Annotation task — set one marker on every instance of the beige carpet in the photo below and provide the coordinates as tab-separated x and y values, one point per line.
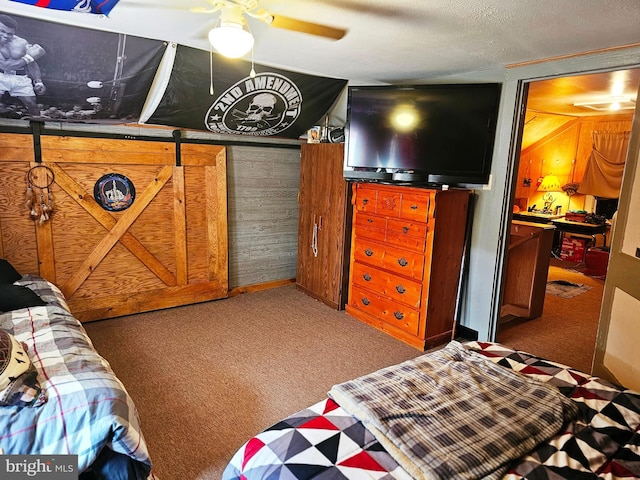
207	377
566	331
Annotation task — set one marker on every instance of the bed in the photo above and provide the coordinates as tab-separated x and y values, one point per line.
68	401
592	433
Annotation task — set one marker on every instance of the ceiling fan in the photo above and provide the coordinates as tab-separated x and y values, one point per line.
231	36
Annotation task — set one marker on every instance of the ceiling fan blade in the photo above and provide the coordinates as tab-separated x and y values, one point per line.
288	23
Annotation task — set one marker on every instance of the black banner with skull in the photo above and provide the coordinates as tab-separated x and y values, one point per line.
272	103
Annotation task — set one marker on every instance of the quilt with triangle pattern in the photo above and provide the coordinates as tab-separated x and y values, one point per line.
323	442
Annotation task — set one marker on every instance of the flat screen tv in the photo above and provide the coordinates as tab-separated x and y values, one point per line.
440	134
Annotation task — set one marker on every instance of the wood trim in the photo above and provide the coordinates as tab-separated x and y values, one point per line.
88	309
261	286
572	55
180	225
217	224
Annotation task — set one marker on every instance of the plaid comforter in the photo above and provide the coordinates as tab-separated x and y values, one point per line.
325	442
454	414
87	407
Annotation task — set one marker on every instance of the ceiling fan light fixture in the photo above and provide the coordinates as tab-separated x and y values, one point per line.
231	39
612	102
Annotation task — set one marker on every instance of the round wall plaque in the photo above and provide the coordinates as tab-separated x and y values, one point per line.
114	192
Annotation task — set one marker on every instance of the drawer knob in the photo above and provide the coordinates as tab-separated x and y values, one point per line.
367	277
398	315
365	201
370	220
368	252
405	229
403	262
400	289
414	207
365	301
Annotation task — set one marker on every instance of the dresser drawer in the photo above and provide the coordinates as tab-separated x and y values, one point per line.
388	203
371	221
405	233
392	312
396	260
366	199
415	207
364	231
393	286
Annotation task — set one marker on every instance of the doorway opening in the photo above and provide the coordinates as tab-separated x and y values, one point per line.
560	231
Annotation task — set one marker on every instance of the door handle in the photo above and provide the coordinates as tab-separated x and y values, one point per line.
314	238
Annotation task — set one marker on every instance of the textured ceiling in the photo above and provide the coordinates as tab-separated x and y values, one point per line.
404	41
388	40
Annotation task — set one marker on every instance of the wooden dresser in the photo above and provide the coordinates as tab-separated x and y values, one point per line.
406	256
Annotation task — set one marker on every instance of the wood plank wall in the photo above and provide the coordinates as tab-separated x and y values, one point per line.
263	185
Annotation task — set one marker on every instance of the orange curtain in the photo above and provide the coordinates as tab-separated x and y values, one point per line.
603	175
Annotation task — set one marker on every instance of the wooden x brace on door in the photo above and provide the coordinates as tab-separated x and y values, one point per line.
117	231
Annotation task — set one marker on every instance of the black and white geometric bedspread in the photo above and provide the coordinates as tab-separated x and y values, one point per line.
88	409
324	442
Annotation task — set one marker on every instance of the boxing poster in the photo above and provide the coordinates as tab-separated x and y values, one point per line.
209	92
55	72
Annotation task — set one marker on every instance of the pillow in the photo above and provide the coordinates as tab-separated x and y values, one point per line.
19	386
8	274
13	297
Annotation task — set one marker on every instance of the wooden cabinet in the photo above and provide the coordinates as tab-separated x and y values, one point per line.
407	247
324	226
527	269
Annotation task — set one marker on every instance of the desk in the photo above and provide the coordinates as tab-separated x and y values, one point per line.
525	278
536	217
580	228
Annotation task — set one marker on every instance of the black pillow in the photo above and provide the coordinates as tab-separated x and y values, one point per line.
13	297
8	274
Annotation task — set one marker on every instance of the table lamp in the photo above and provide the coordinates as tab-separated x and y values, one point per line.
549	184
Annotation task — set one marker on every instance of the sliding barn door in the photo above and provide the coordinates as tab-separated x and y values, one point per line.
164	244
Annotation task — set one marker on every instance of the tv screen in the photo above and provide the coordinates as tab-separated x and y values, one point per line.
421	133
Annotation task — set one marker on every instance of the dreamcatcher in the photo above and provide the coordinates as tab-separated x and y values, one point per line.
39	198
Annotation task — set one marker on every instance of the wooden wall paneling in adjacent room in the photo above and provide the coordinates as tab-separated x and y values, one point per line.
168	248
556	152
